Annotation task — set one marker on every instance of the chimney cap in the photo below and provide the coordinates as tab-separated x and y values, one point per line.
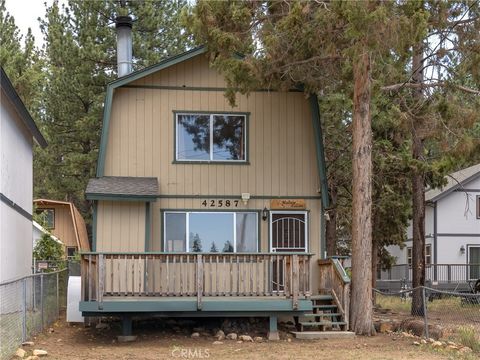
121	21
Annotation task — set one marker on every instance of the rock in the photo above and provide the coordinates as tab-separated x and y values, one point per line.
239	342
220	335
20	353
430	340
258	339
217	343
33	357
195	335
423	341
289	340
28	343
437	344
232	336
465	350
38	352
451	343
452	347
51	330
102	326
406	334
246	338
416	343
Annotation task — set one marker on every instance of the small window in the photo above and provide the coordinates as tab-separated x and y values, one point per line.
71	251
47	217
428	255
211	232
211	137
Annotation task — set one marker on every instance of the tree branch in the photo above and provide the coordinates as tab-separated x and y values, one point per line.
429	85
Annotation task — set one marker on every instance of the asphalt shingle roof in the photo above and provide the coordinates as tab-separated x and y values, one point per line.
455	181
123	185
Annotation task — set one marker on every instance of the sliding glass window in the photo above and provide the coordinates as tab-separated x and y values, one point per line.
210	137
211	232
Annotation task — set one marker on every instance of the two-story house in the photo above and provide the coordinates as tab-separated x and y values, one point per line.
206	209
452	232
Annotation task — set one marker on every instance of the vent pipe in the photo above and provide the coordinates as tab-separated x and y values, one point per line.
123	25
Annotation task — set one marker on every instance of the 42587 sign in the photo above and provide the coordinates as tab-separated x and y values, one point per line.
220	203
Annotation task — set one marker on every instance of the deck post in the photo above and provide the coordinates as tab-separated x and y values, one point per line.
199	281
273	330
126	329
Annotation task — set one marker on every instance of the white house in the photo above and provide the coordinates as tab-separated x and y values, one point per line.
17	133
452	231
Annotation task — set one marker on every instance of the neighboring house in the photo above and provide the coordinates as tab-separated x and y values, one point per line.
39	231
17	134
63	220
452	231
204	209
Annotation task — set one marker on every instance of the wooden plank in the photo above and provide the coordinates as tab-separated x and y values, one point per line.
90	276
101	278
295	281
199	281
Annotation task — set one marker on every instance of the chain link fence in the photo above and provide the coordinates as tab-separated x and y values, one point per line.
29	305
433	313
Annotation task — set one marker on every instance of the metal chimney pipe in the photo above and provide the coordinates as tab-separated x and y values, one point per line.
123	24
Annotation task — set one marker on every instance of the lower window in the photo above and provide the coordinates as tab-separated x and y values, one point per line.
210	232
71	251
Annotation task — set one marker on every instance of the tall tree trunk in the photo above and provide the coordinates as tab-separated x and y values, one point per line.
361	304
374	265
331	223
418	191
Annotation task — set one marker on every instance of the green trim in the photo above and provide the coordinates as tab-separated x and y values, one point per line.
121	197
226	196
212	162
147	225
159	66
195	88
107	110
323	239
225	210
340	270
317	128
189	304
94	226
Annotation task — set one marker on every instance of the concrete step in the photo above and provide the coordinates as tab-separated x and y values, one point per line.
313	335
322	323
322	314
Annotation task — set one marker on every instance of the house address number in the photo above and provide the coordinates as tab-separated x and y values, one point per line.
220	203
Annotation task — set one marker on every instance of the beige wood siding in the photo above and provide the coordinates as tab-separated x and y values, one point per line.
120	226
64	229
280	146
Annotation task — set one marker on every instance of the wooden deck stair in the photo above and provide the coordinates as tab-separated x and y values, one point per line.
325	315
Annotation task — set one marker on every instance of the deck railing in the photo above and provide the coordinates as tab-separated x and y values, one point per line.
439	273
195	275
335	281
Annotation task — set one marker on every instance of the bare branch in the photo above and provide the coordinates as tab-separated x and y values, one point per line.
429	85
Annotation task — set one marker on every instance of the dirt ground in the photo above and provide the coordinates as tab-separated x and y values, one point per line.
78	342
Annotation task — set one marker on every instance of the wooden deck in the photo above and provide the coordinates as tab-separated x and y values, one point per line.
195	282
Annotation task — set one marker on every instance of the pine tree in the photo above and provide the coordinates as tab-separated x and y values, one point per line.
80	54
197	243
228	247
213	248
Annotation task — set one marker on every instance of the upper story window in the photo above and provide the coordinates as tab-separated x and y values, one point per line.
48	217
211	137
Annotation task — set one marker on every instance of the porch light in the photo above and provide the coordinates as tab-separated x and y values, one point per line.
245	198
462	250
264	214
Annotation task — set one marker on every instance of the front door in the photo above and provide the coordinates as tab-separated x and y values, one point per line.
288	233
474	262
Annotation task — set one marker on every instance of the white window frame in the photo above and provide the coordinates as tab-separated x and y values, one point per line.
411	257
211	160
270	240
187	228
